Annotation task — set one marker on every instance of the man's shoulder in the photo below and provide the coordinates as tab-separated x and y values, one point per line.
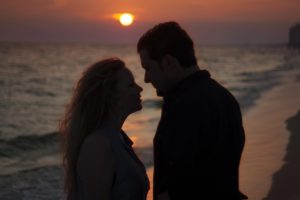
204	88
213	88
208	92
203	93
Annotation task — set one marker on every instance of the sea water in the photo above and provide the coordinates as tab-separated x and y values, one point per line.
36	82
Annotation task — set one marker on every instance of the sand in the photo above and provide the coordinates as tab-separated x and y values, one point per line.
267	141
286	181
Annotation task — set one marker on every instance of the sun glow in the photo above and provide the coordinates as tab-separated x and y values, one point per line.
126	19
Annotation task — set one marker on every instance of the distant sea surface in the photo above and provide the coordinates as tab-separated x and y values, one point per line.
36	82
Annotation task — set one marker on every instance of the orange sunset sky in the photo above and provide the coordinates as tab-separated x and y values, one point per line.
208	21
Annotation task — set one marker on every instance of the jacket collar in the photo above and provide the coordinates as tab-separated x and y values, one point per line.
186	84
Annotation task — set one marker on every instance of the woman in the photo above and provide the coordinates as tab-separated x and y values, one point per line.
98	159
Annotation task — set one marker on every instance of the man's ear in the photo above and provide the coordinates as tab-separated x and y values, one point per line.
169	62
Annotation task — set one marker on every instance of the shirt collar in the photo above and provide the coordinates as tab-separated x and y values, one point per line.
185	84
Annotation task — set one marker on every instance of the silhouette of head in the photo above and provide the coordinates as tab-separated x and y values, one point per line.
104	86
167	53
168	39
105	89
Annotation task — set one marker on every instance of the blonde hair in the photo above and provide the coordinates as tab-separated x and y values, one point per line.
91	101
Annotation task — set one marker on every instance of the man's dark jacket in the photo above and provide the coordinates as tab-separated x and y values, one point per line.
199	142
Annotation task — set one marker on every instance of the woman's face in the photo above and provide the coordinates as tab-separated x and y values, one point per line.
129	93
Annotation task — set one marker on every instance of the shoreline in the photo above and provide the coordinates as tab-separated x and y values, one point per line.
267	136
286	181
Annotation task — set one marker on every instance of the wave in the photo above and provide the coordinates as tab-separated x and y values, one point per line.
49	143
23	144
153	103
39	92
256	83
37	183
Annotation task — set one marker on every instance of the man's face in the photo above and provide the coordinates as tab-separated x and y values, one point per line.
153	72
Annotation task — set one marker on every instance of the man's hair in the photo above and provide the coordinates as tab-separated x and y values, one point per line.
168	38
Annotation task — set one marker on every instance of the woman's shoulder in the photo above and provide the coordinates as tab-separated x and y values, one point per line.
96	140
95	150
95	160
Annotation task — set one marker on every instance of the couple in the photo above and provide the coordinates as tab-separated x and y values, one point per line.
198	142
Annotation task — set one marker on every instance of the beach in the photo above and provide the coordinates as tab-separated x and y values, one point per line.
266	159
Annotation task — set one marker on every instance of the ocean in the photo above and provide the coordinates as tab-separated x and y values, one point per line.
36	82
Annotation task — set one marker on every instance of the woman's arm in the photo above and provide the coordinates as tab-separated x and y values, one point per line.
95	166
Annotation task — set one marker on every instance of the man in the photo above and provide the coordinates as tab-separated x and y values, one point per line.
200	136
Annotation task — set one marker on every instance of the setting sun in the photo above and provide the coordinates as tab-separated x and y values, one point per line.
126	19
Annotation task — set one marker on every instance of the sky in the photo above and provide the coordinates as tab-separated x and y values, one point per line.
207	21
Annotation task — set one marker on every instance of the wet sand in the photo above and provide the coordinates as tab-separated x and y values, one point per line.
267	167
286	181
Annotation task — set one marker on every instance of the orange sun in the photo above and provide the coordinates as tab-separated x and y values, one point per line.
126	19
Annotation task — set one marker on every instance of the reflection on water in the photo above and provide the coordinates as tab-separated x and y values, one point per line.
150	176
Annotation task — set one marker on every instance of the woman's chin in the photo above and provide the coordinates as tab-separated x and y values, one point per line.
139	107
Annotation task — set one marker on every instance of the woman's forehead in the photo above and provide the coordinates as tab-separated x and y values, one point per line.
125	75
